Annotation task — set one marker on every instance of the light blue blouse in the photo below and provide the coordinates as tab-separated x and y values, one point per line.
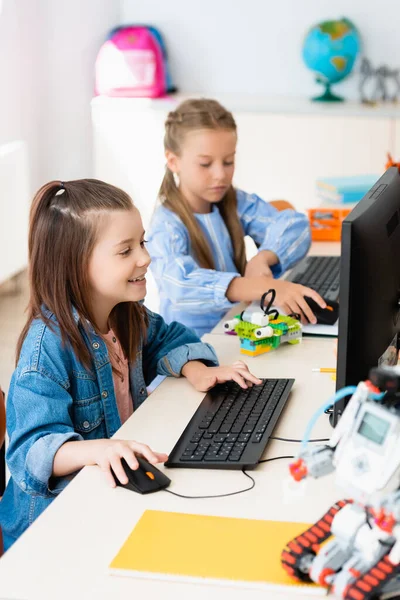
196	296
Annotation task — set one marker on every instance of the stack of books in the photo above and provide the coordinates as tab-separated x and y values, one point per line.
343	190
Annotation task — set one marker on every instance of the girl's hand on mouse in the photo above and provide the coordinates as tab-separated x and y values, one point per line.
204	378
112	451
290	297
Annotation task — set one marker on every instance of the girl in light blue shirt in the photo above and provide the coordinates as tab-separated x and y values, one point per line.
196	237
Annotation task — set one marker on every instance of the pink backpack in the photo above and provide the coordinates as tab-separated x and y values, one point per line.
131	64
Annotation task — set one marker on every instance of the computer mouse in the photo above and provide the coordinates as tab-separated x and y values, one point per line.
144	480
325	316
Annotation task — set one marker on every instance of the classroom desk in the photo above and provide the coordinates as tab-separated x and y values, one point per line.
67	550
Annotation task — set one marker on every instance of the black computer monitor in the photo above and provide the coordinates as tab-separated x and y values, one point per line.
369	319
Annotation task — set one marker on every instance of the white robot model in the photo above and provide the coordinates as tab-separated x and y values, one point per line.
363	554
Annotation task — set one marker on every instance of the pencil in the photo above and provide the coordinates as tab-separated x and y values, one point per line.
323	370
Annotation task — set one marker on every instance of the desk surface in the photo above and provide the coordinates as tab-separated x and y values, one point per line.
66	552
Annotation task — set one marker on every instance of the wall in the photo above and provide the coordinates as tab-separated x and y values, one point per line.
75	30
21	75
231	46
47	54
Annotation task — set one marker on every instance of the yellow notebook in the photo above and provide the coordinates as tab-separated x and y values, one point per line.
206	549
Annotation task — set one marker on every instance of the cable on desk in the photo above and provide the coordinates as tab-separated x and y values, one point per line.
281	439
274	458
219	495
253	483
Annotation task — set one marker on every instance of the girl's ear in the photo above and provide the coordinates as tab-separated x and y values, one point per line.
172	161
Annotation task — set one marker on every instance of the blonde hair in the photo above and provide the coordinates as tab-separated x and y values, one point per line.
191	115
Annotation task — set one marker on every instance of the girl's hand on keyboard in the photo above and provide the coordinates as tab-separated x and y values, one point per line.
204	378
290	298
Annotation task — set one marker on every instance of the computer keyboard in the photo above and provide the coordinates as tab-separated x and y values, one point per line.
321	273
232	426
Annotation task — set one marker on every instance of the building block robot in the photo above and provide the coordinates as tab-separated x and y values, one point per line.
264	329
361	557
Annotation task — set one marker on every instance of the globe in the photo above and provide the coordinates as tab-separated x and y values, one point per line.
330	49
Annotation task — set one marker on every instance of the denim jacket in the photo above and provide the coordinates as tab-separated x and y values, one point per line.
197	296
53	399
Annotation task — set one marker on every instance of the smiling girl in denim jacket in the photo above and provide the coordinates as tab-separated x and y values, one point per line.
89	348
196	238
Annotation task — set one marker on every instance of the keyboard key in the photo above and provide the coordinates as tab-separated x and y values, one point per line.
237	428
225	428
190	448
234	458
216	458
214	428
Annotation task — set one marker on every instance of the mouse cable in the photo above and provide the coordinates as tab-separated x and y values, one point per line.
274	458
253	483
281	439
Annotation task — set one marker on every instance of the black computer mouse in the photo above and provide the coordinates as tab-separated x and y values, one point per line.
144	480
325	316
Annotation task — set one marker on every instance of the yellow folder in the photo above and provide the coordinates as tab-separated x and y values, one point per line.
209	549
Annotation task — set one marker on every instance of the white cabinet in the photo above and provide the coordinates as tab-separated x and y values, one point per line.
282	156
285	144
128	149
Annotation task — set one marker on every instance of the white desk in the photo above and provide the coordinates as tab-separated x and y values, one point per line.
66	552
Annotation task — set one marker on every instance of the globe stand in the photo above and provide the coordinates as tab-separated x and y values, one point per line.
327	96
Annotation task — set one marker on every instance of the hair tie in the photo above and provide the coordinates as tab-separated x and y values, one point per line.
61	189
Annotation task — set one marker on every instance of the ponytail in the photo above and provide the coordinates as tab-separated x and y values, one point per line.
177	203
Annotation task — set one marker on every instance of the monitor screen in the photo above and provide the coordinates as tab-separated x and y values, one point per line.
369	297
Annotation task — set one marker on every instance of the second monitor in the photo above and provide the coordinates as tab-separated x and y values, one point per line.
369	284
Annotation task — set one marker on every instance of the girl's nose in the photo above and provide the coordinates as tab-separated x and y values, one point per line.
144	258
219	172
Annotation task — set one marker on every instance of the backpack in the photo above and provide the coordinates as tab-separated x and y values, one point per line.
170	87
132	63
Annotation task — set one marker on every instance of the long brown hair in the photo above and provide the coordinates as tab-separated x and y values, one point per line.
64	223
190	115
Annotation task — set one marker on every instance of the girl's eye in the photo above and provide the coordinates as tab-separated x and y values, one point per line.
205	166
143	242
228	164
126	252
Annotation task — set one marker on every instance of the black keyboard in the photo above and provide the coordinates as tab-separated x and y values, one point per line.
321	273
232	426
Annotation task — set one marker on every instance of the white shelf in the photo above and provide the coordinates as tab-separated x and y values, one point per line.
246	103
